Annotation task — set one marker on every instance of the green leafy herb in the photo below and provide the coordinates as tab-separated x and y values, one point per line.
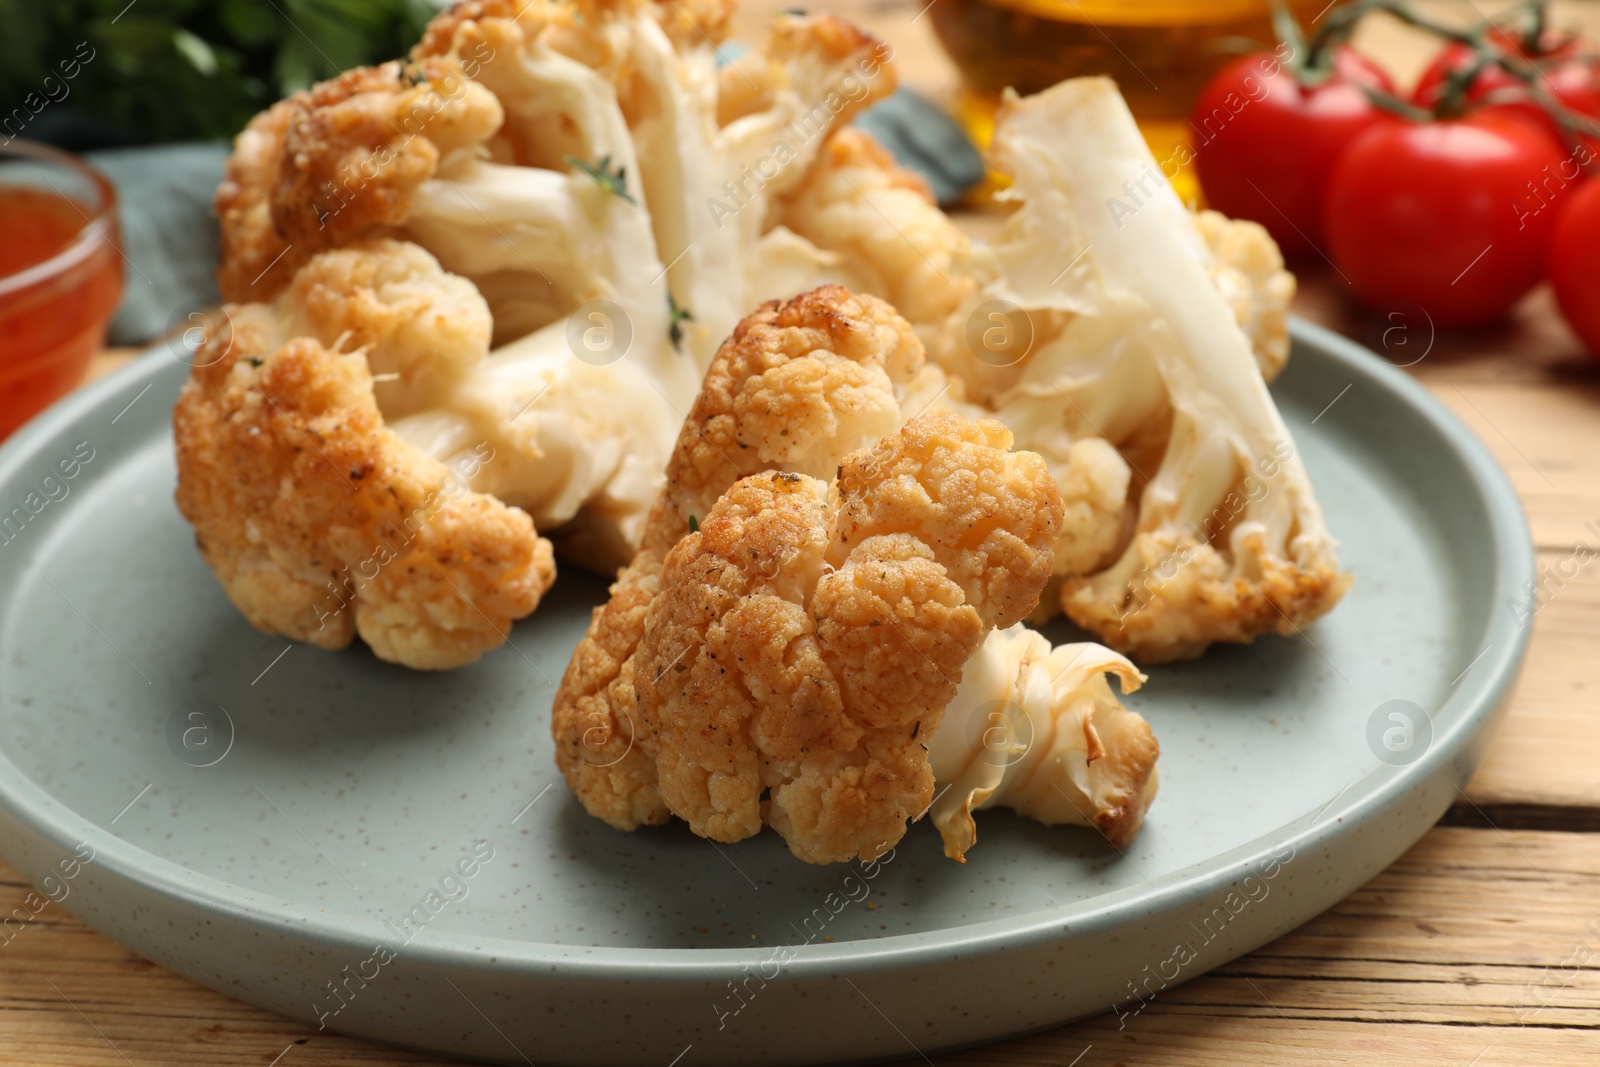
86	72
614	182
677	316
694	524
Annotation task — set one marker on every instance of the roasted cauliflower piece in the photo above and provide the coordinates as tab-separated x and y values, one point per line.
566	160
797	388
883	223
1038	730
337	162
1139	344
320	522
806	634
1247	268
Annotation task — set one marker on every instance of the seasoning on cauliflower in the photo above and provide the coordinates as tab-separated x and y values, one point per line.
1045	736
806	634
1220	537
321	523
796	388
336	162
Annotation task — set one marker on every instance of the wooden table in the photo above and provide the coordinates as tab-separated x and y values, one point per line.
1481	946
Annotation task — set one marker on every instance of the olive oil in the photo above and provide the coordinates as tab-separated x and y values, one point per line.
1160	52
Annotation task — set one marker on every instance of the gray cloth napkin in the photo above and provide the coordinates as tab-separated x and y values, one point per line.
169	236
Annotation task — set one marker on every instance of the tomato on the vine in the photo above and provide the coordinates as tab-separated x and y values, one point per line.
1575	264
1456	57
1265	143
1568	68
1445	214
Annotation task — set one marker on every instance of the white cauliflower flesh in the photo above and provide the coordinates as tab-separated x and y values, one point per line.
610	195
584	170
1038	730
1220	537
774	634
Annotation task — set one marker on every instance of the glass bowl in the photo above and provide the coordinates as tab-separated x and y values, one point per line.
60	275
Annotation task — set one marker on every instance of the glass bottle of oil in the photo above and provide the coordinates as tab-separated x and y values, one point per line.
1161	52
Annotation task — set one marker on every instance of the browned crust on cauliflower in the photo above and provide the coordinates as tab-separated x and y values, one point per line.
340	160
320	523
688	22
881	217
1187	596
804	637
797	385
809	49
1131	764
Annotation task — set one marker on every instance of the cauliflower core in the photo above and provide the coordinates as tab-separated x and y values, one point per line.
776	639
321	523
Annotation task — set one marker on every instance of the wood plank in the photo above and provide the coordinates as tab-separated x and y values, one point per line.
1474	940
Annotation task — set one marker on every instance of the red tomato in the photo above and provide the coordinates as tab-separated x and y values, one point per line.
1575	264
1447	215
1571	74
1264	144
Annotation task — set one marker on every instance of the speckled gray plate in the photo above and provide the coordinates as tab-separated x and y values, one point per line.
315	867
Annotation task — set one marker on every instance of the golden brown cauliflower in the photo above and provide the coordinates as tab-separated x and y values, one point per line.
570	27
801	54
1131	341
882	221
338	161
806	634
319	522
796	387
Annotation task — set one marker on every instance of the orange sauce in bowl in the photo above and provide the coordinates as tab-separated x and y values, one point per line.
60	280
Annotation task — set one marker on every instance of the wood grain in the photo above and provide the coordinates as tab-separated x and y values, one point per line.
1479	948
1475	939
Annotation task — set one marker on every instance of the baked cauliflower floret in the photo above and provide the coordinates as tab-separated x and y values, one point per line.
338	161
883	223
689	23
798	386
1247	269
806	634
320	522
1038	730
1220	536
422	330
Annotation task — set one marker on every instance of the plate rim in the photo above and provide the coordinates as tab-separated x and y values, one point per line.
1363	800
